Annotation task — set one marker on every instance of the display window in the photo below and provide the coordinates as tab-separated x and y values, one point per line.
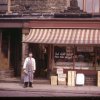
97	50
84	57
77	57
63	56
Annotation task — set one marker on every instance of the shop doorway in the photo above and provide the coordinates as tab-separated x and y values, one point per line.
11	50
40	53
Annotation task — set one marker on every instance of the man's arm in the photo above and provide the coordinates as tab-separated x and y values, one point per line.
24	65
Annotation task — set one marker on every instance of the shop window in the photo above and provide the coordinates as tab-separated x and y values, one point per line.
63	56
84	58
97	50
77	57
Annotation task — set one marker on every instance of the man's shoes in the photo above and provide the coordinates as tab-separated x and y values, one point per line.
25	84
30	84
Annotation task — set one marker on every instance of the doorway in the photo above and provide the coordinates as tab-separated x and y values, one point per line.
40	53
11	50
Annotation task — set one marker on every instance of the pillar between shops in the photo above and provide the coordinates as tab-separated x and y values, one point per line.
25	46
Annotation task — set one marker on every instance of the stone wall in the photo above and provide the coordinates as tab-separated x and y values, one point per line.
39	5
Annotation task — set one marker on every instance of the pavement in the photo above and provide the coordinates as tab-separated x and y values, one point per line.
45	86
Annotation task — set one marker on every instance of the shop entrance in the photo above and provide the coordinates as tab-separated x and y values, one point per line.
40	53
11	51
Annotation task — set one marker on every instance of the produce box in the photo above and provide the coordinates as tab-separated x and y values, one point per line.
98	79
61	79
71	78
53	80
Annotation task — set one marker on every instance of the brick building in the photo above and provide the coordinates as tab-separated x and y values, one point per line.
59	33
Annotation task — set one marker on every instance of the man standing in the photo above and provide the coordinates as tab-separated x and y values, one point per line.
29	68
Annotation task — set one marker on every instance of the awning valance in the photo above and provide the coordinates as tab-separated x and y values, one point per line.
63	36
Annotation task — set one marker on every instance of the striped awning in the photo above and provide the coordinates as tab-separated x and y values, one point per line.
63	36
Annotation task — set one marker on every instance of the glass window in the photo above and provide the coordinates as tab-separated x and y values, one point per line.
97	50
78	57
84	57
63	56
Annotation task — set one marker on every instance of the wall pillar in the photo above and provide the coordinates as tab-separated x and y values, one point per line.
25	46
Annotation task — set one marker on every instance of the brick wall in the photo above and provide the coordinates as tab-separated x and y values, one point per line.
91	80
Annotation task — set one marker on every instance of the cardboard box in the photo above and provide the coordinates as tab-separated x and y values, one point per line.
71	78
53	80
61	81
98	79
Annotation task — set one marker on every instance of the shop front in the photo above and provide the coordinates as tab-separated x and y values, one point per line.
72	49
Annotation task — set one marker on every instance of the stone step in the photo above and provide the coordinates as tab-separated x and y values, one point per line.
18	80
6	73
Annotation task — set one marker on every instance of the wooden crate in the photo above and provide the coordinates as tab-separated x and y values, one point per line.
53	80
71	78
61	79
98	79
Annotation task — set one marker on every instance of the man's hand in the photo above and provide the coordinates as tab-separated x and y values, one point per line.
25	71
33	71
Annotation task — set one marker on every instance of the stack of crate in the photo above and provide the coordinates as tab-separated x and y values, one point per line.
71	78
61	77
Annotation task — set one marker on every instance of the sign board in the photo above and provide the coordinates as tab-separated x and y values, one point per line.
60	71
80	79
85	49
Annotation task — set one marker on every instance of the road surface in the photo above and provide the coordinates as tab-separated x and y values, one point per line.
16	93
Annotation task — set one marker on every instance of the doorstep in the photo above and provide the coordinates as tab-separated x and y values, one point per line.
18	80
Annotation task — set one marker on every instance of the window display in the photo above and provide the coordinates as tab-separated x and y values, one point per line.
63	56
77	57
97	50
84	57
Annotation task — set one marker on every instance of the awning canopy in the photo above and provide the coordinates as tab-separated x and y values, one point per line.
63	36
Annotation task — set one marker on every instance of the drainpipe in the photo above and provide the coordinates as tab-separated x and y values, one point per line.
0	43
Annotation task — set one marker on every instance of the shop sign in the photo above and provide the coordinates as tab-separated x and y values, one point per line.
60	71
85	49
80	78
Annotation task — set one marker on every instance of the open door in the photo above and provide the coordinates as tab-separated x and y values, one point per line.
40	53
